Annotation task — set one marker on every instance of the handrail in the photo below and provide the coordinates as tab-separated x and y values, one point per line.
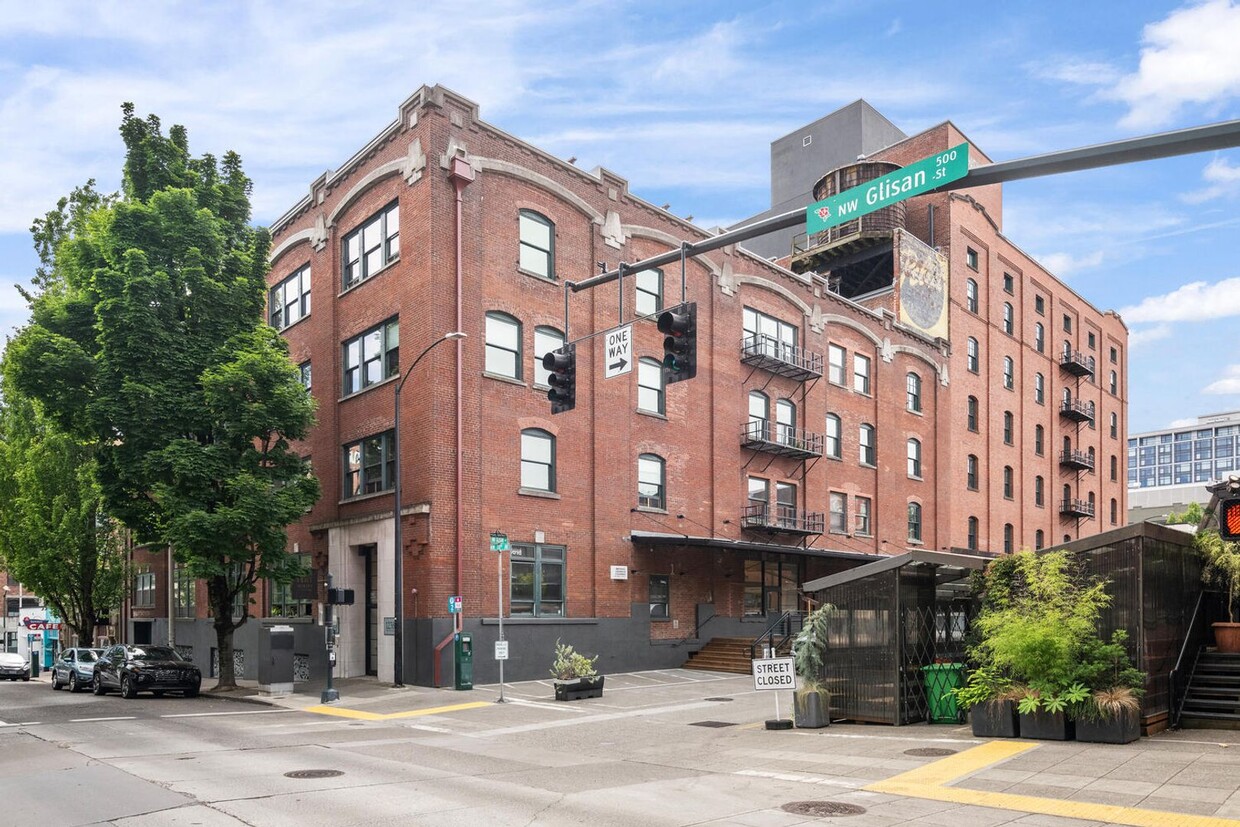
784	624
1176	684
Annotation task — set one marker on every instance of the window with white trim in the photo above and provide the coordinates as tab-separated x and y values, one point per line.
864	510
650	385
289	300
546	339
371	247
651	481
503	345
537	244
536	575
649	287
537	460
370	465
371	357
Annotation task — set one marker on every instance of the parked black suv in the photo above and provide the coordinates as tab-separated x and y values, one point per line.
133	669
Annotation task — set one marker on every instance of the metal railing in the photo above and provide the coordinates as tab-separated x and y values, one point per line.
1076	459
780	358
1178	678
782	630
1076	363
777	438
1076	508
1076	409
783	518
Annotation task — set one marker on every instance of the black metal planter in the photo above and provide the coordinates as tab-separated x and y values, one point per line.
811	710
1047	726
994	719
1122	729
579	689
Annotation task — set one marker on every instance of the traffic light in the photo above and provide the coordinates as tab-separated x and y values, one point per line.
563	379
680	347
1229	519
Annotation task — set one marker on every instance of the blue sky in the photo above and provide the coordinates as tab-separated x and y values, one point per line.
683	100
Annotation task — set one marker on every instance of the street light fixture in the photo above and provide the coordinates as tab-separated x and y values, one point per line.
398	655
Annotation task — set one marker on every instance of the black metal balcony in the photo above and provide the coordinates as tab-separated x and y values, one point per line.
781	440
782	519
1076	508
1076	459
1077	363
781	359
1077	410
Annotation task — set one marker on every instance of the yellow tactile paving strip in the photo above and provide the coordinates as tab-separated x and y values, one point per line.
360	715
931	782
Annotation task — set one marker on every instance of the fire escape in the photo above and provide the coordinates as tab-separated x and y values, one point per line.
1072	409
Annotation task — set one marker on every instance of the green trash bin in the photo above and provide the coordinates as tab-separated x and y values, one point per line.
941	679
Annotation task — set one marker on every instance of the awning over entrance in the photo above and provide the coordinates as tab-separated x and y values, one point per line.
656	538
937	558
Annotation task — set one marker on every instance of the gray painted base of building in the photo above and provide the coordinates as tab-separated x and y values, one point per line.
196	639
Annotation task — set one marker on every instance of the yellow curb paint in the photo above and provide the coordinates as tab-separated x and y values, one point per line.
930	782
361	715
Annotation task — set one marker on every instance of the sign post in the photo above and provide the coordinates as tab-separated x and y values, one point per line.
499	544
914	179
774	674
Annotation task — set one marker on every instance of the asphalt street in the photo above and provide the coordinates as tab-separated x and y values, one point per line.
659	748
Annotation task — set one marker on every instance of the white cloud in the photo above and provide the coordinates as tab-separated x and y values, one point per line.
1182	423
1222	179
1194	301
1076	70
1065	264
1228	384
1142	337
1190	57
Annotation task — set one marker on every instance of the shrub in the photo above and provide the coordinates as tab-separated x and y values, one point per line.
570	665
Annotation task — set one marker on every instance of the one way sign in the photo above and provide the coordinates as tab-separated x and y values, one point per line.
618	355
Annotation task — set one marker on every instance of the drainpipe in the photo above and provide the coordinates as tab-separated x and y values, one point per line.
462	175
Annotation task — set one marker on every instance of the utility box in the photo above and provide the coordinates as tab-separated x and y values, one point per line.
464	657
34	664
275	672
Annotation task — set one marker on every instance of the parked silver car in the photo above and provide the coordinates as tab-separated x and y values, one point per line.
14	667
75	668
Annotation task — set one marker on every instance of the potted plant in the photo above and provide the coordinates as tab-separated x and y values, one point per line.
811	702
575	675
1036	624
1222	570
1112	712
990	697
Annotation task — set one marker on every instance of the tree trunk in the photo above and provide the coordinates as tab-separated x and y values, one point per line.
221	609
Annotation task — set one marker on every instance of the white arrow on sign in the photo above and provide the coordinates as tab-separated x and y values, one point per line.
618	354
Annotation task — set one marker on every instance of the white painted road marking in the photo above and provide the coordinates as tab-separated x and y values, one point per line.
220	714
93	720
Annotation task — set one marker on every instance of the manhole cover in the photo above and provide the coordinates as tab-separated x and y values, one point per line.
820	809
718	700
713	724
930	752
313	774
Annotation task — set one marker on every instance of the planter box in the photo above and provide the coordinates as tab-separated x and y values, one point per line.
1123	729
578	689
811	710
994	719
1047	726
1227	637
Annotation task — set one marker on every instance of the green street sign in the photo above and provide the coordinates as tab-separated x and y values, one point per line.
914	179
499	542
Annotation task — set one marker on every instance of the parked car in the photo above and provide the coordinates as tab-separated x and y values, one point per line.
75	668
132	669
14	666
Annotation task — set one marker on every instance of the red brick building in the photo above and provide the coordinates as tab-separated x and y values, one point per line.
901	383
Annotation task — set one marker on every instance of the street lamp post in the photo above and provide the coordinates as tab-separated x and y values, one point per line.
398	655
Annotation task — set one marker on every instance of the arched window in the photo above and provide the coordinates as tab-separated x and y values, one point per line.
1114	468
971	472
1114	383
972	357
1007	481
1039	540
1008	322
1008	538
1039	388
833	440
914	458
1067	495
1009	428
1114	511
546	339
971	414
785	422
1039	493
1039	437
972	537
1039	337
503	351
537	460
1114	425
651	481
970	295
914	522
1009	373
913	392
759	416
867	444
537	244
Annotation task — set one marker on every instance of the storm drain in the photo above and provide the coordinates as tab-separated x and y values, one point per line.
821	809
712	724
718	700
929	752
313	774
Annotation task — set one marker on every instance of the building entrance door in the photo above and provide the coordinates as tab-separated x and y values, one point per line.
372	611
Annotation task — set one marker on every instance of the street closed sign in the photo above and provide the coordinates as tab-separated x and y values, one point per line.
774	673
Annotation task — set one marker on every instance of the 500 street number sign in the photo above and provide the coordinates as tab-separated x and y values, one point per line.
914	179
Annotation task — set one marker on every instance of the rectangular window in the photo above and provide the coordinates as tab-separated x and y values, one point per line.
1091	340
863	507
369	465
649	291
372	357
839	512
1039	305
970	258
1067	323
144	590
835	364
183	588
861	374
303	373
767	335
537	460
649	386
546	339
1009	284
660	592
289	300
292	599
371	247
536	577
537	244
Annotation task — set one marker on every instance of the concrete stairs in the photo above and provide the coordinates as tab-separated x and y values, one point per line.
1212	699
724	654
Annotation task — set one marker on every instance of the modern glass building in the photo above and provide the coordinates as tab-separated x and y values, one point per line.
1169	468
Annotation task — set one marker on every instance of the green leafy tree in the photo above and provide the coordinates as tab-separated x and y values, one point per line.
153	343
54	535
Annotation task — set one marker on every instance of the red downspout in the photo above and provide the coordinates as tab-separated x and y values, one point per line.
462	175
